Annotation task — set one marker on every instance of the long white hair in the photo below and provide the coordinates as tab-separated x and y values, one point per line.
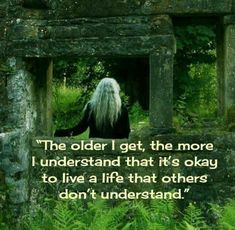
106	103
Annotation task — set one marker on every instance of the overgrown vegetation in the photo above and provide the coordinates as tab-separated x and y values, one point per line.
195	82
127	215
195	89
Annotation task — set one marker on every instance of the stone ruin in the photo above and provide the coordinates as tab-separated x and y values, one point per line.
33	32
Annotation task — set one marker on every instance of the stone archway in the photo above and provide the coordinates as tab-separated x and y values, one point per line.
34	34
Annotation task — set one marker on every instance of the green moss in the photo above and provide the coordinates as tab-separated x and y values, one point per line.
230	115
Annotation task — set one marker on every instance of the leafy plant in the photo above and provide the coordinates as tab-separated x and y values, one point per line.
67	111
195	73
69	215
138	117
194	219
65	219
227	220
126	215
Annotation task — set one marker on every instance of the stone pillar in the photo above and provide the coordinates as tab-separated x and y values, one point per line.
19	124
161	89
43	71
3	94
27	109
229	68
220	66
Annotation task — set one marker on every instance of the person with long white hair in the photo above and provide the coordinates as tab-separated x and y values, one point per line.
104	114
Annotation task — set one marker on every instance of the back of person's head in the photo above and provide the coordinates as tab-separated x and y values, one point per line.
106	103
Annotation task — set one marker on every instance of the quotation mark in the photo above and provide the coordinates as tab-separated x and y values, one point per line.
186	189
39	141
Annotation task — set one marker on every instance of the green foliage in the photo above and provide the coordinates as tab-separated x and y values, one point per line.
126	215
227	220
66	109
203	94
195	82
68	106
199	102
80	71
193	218
194	44
75	81
71	215
5	70
83	74
6	215
164	212
138	117
65	219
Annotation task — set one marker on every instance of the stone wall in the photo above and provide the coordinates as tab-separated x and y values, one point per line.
32	31
19	123
23	113
105	8
3	96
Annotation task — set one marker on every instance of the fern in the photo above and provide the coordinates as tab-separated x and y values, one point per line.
158	215
157	226
94	213
163	213
105	217
117	215
65	219
38	218
140	215
193	218
188	226
127	226
128	215
227	221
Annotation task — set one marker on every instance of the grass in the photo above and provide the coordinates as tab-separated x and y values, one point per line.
66	109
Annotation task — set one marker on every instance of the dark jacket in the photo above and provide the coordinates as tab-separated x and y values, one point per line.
119	130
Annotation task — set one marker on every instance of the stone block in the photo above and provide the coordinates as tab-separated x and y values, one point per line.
3	9
18	190
108	46
89	8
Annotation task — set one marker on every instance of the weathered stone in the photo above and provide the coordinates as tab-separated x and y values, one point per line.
229	69
107	46
19	88
43	93
87	27
35	4
3	102
89	37
89	8
161	89
233	6
19	190
26	104
15	164
220	67
229	19
42	29
106	8
3	9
